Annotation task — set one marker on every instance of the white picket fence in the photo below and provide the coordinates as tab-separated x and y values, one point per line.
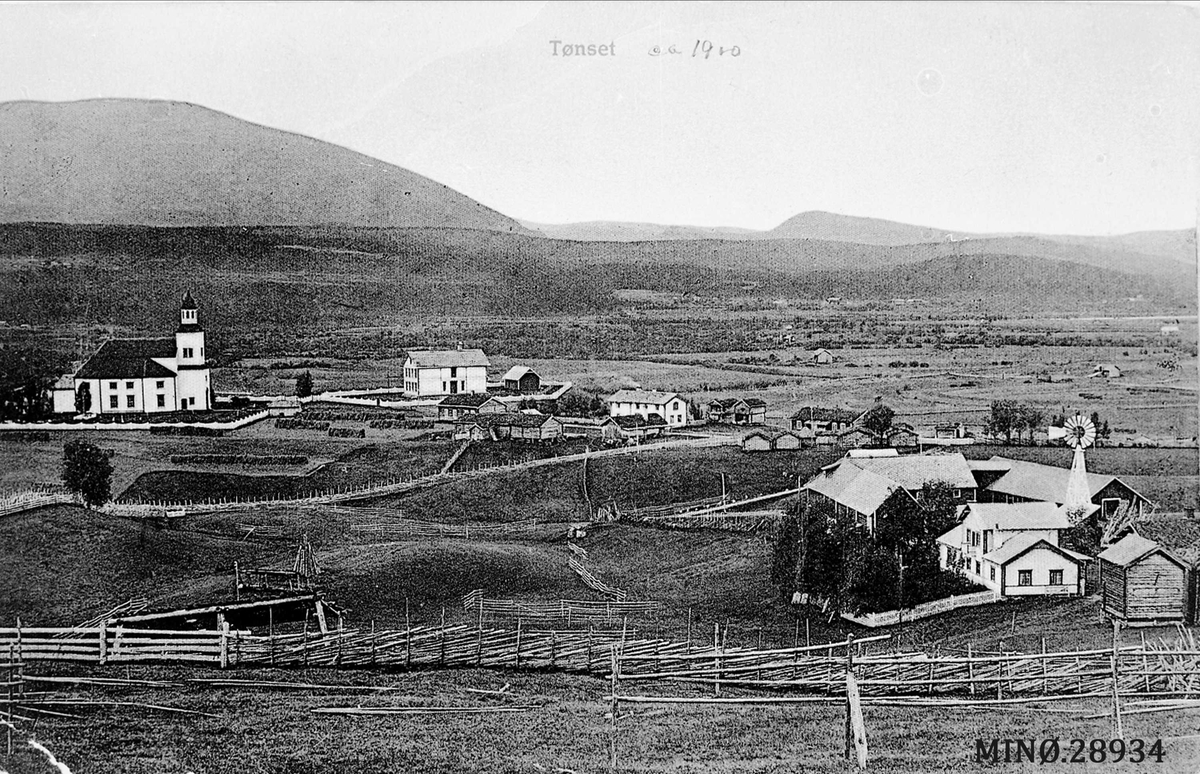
132	426
893	617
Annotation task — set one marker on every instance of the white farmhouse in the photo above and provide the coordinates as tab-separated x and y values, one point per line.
136	376
432	372
1013	548
668	405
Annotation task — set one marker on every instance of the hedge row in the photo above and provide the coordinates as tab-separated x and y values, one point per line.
210	432
300	424
26	437
347	432
239	459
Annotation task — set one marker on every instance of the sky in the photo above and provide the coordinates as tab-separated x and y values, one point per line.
990	117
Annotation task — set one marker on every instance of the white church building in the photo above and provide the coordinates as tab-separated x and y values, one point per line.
136	376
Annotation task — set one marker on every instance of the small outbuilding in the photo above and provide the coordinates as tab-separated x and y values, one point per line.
1141	581
786	441
822	357
522	379
757	441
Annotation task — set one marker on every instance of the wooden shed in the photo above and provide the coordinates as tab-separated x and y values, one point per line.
757	441
1141	581
787	440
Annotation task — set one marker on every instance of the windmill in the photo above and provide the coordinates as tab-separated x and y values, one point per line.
1079	433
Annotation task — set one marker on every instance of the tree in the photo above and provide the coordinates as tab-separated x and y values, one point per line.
83	399
1002	419
1033	418
87	472
878	421
304	385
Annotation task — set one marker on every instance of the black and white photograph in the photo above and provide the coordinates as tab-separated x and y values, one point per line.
595	387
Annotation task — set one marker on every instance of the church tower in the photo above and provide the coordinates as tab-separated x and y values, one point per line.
193	381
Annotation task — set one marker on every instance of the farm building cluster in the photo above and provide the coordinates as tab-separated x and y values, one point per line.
1010	519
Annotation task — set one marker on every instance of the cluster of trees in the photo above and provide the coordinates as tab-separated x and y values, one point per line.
25	382
830	556
1009	417
577	403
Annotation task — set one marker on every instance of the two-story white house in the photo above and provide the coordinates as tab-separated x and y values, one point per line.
144	376
1013	548
668	405
432	372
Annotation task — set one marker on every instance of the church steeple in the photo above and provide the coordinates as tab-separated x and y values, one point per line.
188	316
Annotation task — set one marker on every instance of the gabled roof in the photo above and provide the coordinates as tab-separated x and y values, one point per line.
1134	547
1014	516
1018	545
130	359
1035	481
653	397
818	414
516	372
466	400
758	434
912	471
954	536
636	421
859	490
728	403
447	358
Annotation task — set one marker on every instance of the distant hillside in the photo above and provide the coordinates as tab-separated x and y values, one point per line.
176	164
831	227
610	231
817	240
281	281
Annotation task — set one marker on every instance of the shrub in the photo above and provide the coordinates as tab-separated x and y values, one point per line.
347	432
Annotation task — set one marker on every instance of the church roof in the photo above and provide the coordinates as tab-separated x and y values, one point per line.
130	359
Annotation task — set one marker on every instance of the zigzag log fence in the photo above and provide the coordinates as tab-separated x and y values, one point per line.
1163	669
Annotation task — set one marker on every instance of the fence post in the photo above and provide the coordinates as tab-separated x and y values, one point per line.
615	656
224	645
717	659
970	669
856	732
1116	692
104	642
518	642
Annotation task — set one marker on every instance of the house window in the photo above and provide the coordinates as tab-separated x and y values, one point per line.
1056	577
453	373
993	572
1024	577
976	566
1109	506
129	401
129	385
191	401
162	401
187	352
159	384
112	385
112	401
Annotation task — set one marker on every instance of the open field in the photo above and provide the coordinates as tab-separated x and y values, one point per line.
273	732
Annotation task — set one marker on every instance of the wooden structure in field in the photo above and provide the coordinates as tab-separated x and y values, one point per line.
1142	582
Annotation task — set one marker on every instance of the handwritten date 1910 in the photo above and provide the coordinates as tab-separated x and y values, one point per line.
702	49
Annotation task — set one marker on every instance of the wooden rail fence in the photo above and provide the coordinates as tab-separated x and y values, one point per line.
1163	668
477	606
